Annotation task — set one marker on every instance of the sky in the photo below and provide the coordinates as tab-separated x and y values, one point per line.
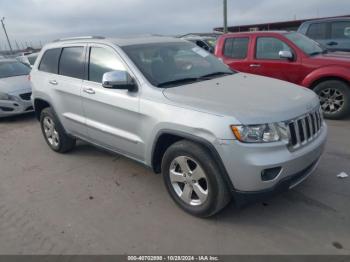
35	21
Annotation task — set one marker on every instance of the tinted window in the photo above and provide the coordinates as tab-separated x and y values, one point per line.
317	31
102	61
9	69
269	48
341	30
49	62
236	47
72	62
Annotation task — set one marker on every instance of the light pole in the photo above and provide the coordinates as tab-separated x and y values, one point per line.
225	17
8	40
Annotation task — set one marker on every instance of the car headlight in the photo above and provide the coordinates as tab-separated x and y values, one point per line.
4	96
265	133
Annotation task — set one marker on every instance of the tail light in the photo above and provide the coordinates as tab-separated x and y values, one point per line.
29	78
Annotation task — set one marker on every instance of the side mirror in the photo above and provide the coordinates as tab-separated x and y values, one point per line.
118	80
286	55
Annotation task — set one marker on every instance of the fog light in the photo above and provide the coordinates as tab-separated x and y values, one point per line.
270	174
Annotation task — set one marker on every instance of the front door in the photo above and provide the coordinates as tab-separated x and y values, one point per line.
267	62
112	115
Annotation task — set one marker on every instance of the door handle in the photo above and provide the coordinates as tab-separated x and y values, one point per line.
53	82
89	91
255	65
332	43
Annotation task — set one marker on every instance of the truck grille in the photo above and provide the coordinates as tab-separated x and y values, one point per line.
304	129
25	96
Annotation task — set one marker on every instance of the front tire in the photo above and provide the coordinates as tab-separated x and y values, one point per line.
193	179
335	98
54	133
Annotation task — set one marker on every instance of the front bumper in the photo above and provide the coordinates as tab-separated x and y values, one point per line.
19	104
245	163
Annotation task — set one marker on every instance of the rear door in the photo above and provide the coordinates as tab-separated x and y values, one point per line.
340	35
63	70
267	62
112	115
235	53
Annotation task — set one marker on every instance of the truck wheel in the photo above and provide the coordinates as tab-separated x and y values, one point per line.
335	98
193	179
53	132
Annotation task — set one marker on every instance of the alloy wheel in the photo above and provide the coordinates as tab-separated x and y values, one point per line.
332	100
51	132
189	180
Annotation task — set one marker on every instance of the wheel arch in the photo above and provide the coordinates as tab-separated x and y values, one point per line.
327	78
40	105
165	138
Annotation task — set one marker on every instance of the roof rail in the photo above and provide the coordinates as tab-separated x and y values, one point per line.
79	38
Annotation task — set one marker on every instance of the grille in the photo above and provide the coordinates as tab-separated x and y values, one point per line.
25	96
304	129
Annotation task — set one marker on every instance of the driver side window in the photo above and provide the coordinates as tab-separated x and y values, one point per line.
102	61
269	48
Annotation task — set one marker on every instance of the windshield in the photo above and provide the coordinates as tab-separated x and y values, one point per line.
171	64
306	44
13	68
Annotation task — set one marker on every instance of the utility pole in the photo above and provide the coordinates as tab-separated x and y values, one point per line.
8	40
225	17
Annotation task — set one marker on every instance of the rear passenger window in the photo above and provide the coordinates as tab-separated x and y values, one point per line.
72	62
236	48
49	61
102	61
341	30
317	31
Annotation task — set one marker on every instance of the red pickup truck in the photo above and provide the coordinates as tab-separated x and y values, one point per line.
295	58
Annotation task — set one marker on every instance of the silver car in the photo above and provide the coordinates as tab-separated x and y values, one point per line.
213	133
15	89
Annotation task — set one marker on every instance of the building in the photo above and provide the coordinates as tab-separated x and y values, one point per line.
285	25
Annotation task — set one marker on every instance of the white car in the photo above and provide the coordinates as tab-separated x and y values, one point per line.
15	89
28	59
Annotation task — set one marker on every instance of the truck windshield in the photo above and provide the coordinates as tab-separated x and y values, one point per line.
309	46
173	64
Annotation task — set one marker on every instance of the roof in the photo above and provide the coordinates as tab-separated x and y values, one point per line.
331	19
259	32
126	41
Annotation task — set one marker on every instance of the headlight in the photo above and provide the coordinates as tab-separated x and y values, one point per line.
265	133
4	96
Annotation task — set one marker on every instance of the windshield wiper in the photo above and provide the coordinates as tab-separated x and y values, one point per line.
216	74
179	81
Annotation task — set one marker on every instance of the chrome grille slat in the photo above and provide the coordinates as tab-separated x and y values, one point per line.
304	129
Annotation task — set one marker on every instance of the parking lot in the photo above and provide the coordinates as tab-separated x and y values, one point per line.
93	202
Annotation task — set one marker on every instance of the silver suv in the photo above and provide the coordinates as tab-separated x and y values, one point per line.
214	134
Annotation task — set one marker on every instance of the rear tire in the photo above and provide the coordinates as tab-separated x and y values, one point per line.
54	133
194	180
335	98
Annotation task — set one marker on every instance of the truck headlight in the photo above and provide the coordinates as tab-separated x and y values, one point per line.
265	133
4	96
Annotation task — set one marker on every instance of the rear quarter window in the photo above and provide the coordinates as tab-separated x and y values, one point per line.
49	61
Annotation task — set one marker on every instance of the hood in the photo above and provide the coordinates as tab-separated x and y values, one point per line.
335	58
249	98
14	84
